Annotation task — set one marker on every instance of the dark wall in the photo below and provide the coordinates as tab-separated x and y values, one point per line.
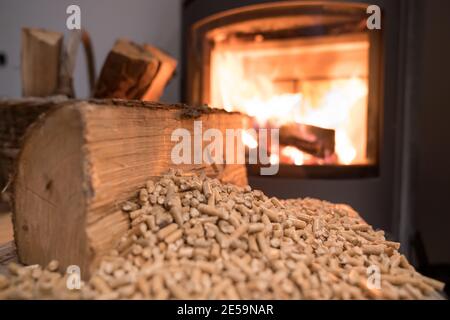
431	181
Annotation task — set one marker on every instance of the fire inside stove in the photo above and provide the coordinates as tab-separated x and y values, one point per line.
302	69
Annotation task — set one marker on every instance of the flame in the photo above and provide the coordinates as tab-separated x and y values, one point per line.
274	159
339	104
255	98
340	109
293	153
249	140
344	148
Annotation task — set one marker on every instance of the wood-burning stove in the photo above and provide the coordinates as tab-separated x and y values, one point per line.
311	64
293	64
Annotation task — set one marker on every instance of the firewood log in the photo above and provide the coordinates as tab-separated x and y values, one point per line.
40	57
132	71
68	60
166	69
314	140
82	161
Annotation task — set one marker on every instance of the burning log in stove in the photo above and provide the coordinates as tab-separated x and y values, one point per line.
317	141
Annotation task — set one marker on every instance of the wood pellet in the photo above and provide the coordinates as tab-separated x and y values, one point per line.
192	237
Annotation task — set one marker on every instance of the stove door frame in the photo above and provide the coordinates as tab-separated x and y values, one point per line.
197	89
382	200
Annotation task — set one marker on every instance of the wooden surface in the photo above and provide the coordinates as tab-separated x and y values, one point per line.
166	69
127	72
82	161
7	247
40	56
6	229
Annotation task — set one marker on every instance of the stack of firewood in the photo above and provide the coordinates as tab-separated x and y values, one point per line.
130	71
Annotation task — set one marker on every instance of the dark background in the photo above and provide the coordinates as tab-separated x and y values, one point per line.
430	132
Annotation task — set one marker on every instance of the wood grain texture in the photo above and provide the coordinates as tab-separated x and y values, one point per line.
127	72
166	69
41	50
80	162
6	229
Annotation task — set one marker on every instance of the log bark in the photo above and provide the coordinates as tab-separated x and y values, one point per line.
68	60
7	252
80	162
41	51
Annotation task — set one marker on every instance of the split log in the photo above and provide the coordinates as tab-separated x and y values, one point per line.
316	141
127	72
166	69
41	52
80	162
132	71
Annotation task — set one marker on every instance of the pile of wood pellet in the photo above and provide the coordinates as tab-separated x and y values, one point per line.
195	238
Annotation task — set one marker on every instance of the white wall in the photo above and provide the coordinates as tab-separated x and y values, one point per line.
152	21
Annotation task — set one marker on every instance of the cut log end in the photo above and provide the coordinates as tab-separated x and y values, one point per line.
51	192
78	165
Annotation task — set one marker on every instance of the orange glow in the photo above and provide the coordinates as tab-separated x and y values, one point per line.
274	159
249	140
295	154
260	82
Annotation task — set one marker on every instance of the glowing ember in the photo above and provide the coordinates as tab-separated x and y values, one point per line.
344	148
274	159
249	140
293	153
